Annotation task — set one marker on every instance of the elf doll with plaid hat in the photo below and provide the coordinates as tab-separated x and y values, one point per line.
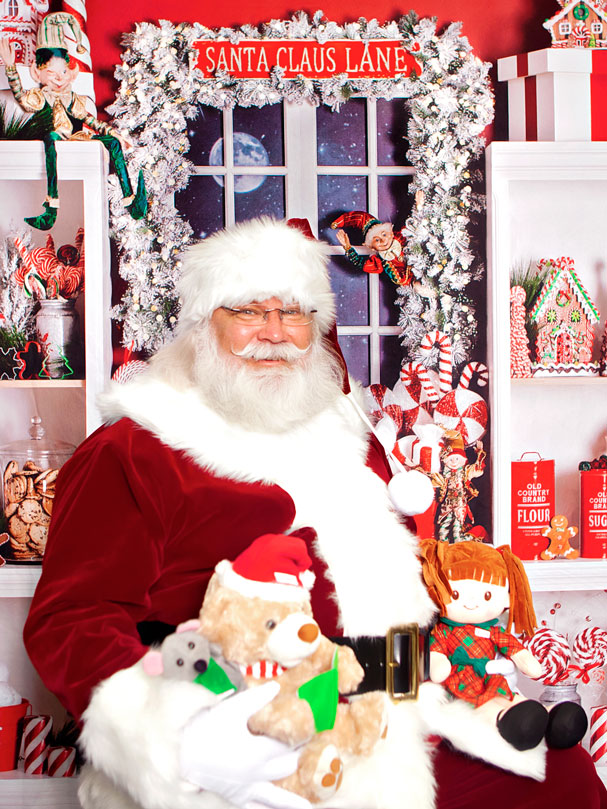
63	113
473	583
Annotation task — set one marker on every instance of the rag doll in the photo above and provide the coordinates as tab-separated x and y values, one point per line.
473	583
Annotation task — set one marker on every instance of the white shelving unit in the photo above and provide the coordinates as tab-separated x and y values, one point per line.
545	200
66	406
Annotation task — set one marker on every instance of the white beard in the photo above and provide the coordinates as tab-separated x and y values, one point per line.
266	399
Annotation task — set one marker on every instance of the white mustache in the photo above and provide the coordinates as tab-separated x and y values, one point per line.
271	351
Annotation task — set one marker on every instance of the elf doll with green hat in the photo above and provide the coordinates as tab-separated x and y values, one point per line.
63	112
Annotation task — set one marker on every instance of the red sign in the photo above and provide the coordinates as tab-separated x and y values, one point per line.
255	58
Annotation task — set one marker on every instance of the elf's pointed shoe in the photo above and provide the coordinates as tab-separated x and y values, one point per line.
567	724
523	725
139	206
44	221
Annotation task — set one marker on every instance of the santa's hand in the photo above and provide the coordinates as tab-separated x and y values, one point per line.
219	753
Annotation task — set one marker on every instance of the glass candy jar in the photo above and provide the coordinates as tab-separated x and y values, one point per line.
29	471
561	692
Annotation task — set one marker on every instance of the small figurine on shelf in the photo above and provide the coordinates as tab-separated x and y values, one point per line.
454	487
473	583
388	254
64	113
559	532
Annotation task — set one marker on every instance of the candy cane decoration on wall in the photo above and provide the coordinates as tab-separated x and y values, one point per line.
445	357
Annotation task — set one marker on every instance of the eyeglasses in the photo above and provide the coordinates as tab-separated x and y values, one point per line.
257	316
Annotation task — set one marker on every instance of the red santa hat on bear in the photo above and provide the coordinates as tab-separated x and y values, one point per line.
369	225
275	567
253	261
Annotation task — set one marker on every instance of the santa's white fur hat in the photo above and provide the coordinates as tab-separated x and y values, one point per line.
259	259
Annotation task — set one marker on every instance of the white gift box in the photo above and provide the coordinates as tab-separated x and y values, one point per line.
556	94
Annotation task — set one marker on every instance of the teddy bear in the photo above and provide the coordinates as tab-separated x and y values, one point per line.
257	611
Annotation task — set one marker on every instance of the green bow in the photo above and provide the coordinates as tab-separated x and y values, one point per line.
462	658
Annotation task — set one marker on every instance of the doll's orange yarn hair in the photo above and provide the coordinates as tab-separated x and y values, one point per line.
442	561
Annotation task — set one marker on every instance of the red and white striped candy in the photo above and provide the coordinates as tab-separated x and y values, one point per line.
590	646
598	734
35	732
445	357
374	399
465	411
552	650
128	370
61	762
468	374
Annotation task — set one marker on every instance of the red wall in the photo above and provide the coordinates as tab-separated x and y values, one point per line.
494	28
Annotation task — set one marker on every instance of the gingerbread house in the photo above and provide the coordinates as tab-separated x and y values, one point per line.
19	20
579	24
565	316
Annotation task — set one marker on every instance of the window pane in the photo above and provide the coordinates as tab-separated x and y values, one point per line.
259	127
337	194
258	196
342	136
390	359
388	309
355	349
201	203
394	199
392	143
351	292
204	132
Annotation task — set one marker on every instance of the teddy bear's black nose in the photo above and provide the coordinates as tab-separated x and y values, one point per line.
201	666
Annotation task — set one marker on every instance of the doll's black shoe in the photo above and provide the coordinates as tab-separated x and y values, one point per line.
523	725
567	724
139	206
46	220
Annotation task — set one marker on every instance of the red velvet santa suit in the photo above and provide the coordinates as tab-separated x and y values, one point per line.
145	509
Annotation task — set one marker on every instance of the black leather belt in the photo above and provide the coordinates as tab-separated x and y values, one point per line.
396	662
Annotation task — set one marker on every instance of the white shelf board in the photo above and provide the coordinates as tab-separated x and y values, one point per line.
19	581
567	574
20	791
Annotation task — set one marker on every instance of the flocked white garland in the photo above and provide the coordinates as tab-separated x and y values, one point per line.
449	105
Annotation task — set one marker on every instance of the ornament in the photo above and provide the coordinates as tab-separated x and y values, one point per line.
552	650
565	316
598	734
35	732
559	533
520	360
590	650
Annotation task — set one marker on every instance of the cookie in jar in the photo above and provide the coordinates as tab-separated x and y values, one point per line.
30	470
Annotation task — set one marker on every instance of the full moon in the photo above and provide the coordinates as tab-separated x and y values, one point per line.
248	151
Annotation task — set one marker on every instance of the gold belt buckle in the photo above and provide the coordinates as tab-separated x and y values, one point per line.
412	630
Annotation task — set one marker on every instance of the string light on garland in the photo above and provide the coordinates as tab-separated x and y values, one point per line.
449	104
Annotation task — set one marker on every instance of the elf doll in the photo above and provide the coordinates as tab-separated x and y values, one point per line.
473	583
63	112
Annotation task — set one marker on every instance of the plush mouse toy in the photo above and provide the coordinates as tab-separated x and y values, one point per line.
186	655
473	583
257	611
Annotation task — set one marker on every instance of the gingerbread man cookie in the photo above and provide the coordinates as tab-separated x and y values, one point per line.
559	532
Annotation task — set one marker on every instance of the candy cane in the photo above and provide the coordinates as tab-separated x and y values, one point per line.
415	370
474	368
445	359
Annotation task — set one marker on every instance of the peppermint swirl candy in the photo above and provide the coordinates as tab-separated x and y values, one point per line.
590	647
552	650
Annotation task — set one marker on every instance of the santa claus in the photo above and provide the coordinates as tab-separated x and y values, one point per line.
240	427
